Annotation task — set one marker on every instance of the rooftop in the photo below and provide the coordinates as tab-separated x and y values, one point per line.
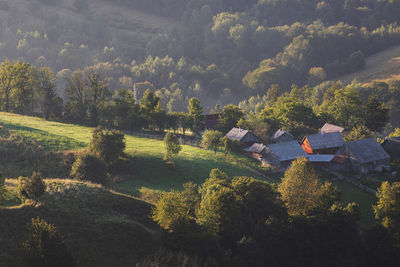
331	128
236	134
256	148
325	140
287	150
367	150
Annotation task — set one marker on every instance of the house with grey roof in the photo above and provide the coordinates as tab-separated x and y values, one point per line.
331	128
392	147
256	151
243	136
322	143
366	156
282	136
282	154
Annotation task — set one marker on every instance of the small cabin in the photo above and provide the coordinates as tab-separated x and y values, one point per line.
256	151
366	156
282	154
331	128
322	143
392	147
211	121
243	136
282	136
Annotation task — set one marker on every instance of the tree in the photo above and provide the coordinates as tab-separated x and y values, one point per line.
32	187
98	95
376	116
24	82
50	103
196	113
301	191
211	139
89	168
45	247
149	101
227	145
172	146
229	118
7	73
107	145
77	95
387	208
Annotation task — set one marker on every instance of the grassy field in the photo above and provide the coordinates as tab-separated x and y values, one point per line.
149	169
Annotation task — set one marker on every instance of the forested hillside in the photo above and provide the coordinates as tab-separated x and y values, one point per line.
219	51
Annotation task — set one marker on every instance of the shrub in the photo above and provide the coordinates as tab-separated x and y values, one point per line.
211	139
32	187
107	145
172	146
88	167
44	246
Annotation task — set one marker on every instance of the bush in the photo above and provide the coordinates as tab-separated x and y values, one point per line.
172	146
45	247
89	168
107	145
31	188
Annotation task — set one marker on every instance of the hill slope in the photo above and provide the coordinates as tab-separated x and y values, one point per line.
149	169
383	66
101	227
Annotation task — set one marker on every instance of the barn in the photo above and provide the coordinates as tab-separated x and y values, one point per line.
282	136
282	154
322	143
211	121
243	136
392	147
366	156
256	151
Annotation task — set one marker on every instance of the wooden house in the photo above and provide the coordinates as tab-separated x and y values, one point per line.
256	151
366	156
282	136
322	143
282	154
321	160
331	128
392	147
243	136
211	121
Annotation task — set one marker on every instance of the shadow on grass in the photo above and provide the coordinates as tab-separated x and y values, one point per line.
154	173
43	138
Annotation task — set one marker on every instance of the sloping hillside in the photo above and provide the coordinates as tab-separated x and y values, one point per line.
383	66
148	170
101	227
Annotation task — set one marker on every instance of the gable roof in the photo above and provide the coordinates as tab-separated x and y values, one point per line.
256	148
331	128
236	134
287	150
367	150
282	134
325	140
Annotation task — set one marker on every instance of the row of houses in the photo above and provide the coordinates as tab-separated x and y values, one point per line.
326	148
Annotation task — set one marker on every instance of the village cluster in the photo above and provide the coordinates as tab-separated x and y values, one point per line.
325	149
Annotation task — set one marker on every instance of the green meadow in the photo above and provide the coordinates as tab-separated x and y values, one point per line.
149	171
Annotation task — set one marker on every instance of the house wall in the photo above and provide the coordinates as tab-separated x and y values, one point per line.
329	151
306	146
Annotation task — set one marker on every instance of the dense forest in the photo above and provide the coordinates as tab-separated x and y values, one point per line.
217	51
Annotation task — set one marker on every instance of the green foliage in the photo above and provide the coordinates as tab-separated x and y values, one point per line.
211	139
107	145
172	146
196	114
89	168
302	192
387	208
358	133
32	187
229	118
44	246
376	116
